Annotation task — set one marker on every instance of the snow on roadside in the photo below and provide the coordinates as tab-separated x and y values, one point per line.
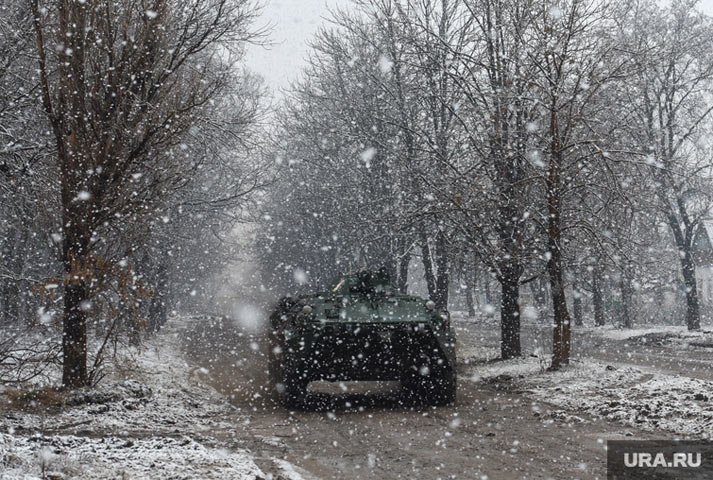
149	418
292	472
653	331
68	456
627	395
521	367
617	333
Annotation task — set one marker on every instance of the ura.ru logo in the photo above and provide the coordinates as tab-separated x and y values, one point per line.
676	460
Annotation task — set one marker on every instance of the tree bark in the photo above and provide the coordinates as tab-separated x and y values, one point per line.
561	336
10	291
626	300
510	313
402	283
597	296
157	307
577	309
76	293
486	289
470	282
684	242
562	329
443	275
74	337
436	269
428	265
693	310
67	124
391	266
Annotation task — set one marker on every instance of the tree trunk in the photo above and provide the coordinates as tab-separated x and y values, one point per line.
438	278
69	126
597	297
577	310
562	329
74	334
510	313
6	283
442	272
626	302
470	282
11	308
14	257
391	267
75	253
684	242
486	289
561	336
428	266
402	283
157	307
693	313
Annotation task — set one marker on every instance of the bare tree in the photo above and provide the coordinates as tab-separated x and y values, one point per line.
671	100
573	50
122	84
491	198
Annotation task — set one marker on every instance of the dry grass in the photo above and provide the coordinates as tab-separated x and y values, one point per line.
9	460
33	399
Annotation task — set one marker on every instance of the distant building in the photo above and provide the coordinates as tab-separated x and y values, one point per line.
703	258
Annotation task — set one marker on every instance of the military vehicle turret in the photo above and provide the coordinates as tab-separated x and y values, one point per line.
362	329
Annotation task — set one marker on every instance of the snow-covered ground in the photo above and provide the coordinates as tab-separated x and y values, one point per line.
151	418
155	416
635	396
68	456
673	332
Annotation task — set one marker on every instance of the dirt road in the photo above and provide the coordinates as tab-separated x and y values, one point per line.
491	432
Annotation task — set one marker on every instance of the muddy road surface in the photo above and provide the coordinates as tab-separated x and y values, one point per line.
353	431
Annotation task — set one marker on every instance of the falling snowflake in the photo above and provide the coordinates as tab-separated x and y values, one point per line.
83	196
385	65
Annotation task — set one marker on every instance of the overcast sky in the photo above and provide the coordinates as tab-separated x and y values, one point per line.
294	23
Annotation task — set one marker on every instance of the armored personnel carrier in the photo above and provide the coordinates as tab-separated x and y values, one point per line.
362	329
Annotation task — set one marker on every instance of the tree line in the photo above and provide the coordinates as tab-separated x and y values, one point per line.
560	147
559	144
128	140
